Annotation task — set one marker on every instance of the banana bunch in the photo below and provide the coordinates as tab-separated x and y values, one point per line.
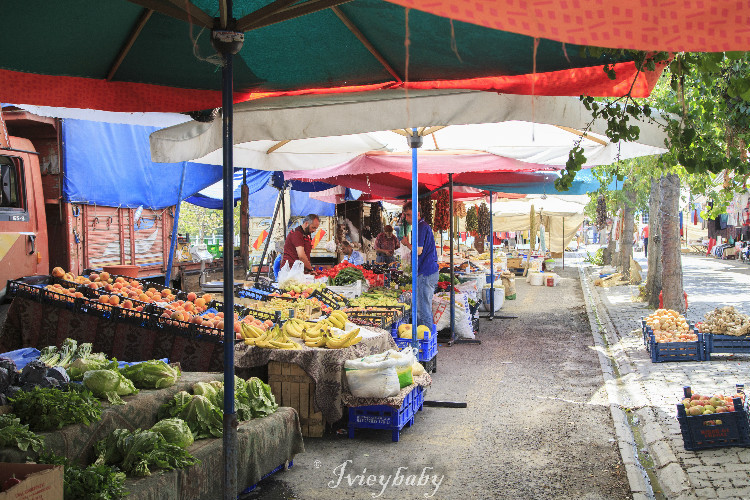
294	327
346	339
271	339
338	319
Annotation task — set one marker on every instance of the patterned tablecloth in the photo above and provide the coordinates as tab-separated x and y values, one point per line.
324	366
34	324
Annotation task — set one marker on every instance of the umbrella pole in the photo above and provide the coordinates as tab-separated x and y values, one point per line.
492	266
227	43
453	292
175	223
270	235
415	141
563	242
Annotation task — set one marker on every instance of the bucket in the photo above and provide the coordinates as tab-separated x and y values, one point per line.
536	279
130	271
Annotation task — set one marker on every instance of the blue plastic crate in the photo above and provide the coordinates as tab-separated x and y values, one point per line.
717	430
386	417
678	351
726	344
427	346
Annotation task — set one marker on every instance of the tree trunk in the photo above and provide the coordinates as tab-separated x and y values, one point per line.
653	279
671	257
626	243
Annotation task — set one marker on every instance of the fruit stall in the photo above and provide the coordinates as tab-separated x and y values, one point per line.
143	429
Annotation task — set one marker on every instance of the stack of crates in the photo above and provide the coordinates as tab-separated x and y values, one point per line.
387	417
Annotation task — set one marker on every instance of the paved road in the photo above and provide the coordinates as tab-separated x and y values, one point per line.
653	389
538	423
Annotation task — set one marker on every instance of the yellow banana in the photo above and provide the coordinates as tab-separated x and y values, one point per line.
283	345
294	330
352	341
250	341
340	314
257	331
320	342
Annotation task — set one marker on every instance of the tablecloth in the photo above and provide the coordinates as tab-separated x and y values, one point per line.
396	401
263	445
34	324
324	366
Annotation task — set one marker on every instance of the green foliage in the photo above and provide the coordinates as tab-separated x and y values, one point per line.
13	433
202	222
47	409
95	482
153	374
137	452
596	258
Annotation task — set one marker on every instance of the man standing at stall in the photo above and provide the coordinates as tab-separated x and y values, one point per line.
298	244
386	245
351	255
427	267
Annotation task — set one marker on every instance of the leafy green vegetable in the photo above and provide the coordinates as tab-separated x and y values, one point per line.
95	482
138	451
204	419
44	409
67	352
12	432
154	374
205	389
49	356
175	431
262	402
93	362
108	383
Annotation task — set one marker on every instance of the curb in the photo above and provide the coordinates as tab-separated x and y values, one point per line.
670	476
640	485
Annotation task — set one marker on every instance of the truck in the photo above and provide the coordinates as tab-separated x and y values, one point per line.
39	230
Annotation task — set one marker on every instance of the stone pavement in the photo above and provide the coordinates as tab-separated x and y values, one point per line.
648	392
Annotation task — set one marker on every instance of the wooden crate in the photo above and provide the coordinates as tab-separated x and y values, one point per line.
292	387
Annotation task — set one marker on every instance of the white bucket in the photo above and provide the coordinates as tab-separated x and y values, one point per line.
536	279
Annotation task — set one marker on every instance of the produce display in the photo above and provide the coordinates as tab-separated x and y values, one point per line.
698	404
153	374
94	482
136	452
376	297
348	275
34	374
425	210
14	433
405	331
726	321
110	384
332	273
45	409
441	220
301	306
472	223
324	333
670	326
483	219
303	290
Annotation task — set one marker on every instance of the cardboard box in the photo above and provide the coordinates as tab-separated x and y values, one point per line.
292	387
42	482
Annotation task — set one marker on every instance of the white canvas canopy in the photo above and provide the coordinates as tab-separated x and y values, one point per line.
537	129
561	217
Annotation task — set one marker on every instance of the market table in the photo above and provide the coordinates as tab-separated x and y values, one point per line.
76	442
262	445
324	366
37	324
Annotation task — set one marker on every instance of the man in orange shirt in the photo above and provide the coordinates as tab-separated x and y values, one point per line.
645	240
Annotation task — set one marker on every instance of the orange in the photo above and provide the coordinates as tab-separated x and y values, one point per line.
114	300
192	296
104	299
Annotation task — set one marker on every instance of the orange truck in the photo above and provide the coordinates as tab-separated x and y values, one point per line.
39	231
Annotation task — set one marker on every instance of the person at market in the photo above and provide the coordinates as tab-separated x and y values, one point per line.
298	244
645	240
351	255
427	267
386	245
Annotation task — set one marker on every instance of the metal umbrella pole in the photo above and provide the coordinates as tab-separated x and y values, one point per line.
270	235
175	224
453	292
563	242
415	142
227	43
492	265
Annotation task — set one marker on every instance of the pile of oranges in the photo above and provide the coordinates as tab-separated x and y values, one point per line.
670	326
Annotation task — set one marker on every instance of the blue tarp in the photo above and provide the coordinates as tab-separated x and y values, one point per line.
110	164
585	182
264	190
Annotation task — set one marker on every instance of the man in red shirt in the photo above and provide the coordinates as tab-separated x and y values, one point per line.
645	240
298	244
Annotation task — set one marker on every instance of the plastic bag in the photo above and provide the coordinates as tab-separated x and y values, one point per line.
292	276
441	314
404	361
372	376
469	288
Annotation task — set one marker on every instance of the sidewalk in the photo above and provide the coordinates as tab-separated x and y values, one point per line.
650	391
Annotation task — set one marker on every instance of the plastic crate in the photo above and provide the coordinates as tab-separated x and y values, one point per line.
386	417
252	293
726	344
18	288
95	308
329	298
365	319
431	365
427	346
678	351
47	296
716	430
145	317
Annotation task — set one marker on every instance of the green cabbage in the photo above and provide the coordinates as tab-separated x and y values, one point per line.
108	383
209	391
175	431
82	365
154	374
